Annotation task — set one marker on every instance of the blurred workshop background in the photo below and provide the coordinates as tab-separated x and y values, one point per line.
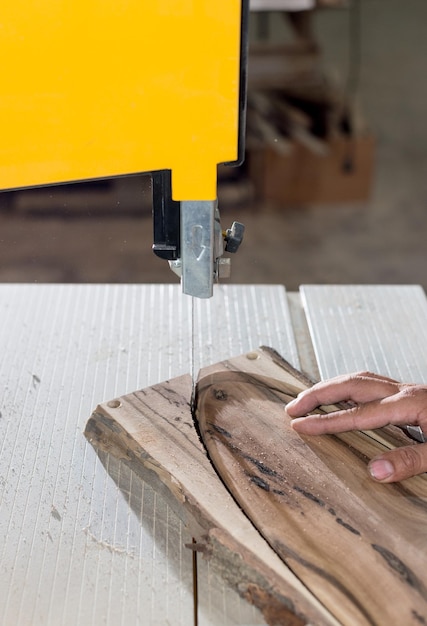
334	187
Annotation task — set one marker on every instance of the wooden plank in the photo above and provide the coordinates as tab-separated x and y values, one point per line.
152	431
357	545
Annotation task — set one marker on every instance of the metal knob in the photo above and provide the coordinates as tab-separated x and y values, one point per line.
233	237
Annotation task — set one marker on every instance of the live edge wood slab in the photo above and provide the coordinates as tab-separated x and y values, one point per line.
294	524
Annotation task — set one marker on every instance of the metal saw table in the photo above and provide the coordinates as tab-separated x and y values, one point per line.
75	549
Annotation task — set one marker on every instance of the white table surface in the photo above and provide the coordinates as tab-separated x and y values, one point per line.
82	540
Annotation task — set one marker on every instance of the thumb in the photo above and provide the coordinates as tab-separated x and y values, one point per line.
399	464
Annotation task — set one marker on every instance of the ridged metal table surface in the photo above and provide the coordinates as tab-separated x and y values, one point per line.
379	328
76	548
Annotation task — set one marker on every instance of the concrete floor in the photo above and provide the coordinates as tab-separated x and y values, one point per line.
105	235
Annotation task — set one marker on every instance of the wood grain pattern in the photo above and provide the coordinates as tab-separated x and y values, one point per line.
358	546
153	432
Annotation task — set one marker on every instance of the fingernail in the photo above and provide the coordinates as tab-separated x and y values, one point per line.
380	469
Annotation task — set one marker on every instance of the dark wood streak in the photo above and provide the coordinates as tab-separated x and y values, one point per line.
263	468
401	569
327	576
420	619
270	386
309	495
357	453
168	393
258	481
341	522
220	430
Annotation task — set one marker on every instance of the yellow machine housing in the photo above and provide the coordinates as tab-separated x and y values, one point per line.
92	89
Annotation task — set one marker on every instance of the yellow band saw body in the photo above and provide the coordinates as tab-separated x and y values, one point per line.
94	89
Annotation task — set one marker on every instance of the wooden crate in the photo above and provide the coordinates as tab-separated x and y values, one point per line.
301	176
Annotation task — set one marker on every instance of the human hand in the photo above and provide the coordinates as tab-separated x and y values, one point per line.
378	401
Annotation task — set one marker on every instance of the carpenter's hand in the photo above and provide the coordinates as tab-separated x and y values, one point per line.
378	401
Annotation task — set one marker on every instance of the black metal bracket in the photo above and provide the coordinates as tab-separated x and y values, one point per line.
166	218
